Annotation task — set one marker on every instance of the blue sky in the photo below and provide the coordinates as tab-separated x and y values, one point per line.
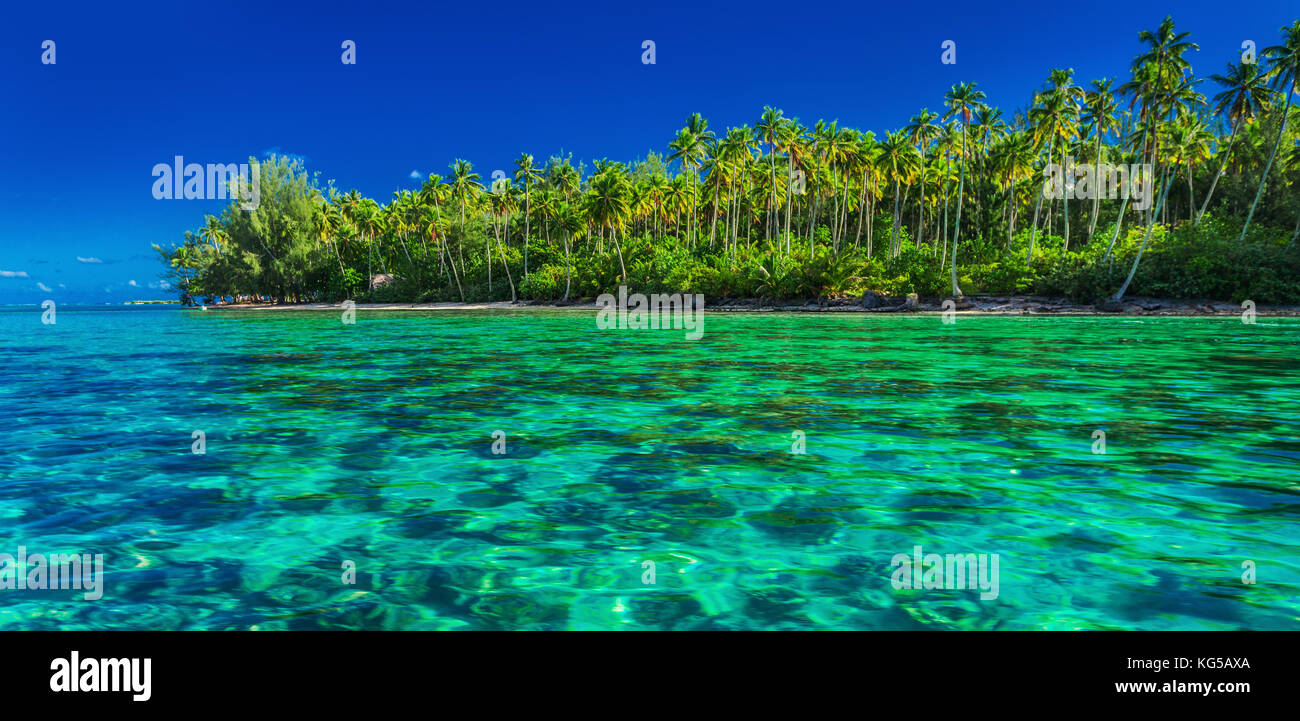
215	83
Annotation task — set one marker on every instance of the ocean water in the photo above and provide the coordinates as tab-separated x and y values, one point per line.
332	447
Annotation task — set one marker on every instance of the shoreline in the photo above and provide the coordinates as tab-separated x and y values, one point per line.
975	305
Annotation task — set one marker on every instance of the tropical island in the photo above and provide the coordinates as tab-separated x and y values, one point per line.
960	200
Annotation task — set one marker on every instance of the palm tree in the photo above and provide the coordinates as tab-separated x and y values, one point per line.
607	205
789	137
732	157
766	130
867	154
961	101
1284	69
1163	58
214	233
898	159
501	201
991	127
1245	96
526	172
569	220
1188	145
921	130
1016	160
1100	110
691	147
370	221
656	191
948	142
464	188
1048	117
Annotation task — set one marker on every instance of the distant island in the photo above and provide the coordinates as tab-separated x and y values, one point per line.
1184	189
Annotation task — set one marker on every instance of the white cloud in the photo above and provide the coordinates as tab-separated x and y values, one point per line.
133	284
415	175
13	274
88	260
43	286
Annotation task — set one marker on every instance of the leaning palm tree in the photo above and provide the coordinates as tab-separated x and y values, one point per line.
1245	96
1293	170
1163	59
1284	69
962	100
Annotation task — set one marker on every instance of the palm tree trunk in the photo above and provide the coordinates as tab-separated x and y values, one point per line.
502	249
920	215
1096	197
789	197
812	222
956	228
526	226
1145	238
893	231
695	182
567	277
1227	150
862	209
487	252
1263	180
713	227
1033	232
771	219
1065	212
614	235
947	161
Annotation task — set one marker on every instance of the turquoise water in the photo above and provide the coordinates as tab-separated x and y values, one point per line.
373	443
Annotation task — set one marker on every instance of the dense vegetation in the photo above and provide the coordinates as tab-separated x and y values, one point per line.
952	202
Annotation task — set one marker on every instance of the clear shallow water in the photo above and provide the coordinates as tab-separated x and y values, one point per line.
373	443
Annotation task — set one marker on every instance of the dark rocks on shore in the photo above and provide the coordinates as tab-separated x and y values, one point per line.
872	299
